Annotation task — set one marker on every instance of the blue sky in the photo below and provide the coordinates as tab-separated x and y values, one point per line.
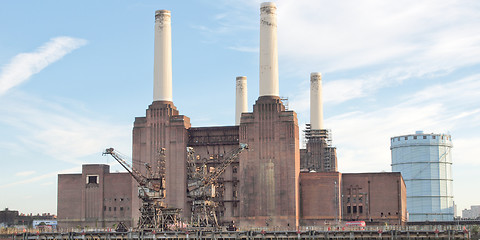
74	75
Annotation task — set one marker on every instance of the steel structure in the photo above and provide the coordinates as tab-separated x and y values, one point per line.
203	185
154	214
425	161
321	154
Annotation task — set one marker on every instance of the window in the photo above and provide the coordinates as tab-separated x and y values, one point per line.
354	209
434	137
414	137
406	138
104	208
121	208
114	208
360	199
92	179
360	209
424	137
349	209
109	209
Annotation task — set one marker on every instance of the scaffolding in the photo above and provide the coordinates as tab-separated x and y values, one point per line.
320	154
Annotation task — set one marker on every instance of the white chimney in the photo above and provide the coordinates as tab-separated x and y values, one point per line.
162	69
241	104
316	105
268	50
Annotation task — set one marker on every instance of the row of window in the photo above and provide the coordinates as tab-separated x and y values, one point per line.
349	209
114	208
116	199
421	137
360	199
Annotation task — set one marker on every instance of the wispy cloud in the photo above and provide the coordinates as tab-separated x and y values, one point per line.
24	173
425	34
65	132
363	137
40	177
24	65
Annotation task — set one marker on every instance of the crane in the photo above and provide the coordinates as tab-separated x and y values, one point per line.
154	214
202	184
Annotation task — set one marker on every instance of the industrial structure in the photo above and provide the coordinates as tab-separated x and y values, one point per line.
94	198
272	184
425	161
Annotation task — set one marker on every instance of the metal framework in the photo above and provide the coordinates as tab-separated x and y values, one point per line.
154	214
321	153
203	185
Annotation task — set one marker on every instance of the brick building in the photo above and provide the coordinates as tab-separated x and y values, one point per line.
94	198
264	186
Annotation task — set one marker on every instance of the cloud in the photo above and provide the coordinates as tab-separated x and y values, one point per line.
363	137
41	177
24	65
335	36
62	131
24	174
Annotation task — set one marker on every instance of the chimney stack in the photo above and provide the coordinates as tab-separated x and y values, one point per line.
268	50
316	105
241	104
162	70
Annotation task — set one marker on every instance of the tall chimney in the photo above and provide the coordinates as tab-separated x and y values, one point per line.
162	70
316	105
268	50
241	104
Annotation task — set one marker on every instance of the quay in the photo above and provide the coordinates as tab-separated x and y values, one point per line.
247	235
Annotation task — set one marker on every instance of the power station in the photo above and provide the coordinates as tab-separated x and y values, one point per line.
273	183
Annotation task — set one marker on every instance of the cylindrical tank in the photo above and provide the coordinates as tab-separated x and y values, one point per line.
425	162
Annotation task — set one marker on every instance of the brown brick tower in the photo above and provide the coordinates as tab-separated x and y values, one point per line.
162	126
269	171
